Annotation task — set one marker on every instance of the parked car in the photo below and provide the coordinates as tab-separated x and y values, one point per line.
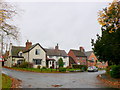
92	69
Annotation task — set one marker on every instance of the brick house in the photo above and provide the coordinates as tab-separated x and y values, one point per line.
91	58
93	61
78	56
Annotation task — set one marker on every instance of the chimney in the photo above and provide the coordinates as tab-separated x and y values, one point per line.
56	47
28	45
82	49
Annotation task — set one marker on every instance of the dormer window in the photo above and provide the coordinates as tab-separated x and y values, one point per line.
37	52
20	53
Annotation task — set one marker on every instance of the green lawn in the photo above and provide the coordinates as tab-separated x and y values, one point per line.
6	81
48	70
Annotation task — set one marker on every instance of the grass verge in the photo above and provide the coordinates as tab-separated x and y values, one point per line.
6	81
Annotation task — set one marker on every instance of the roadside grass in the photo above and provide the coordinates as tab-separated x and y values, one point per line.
48	70
6	82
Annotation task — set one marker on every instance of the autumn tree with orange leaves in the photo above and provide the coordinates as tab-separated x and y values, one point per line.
107	46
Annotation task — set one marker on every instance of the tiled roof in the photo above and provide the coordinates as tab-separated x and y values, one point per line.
88	53
78	53
54	52
16	50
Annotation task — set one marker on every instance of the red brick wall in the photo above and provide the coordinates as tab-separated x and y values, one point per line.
70	53
98	64
80	60
90	58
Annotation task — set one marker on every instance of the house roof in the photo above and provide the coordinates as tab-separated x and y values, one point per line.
88	53
33	47
54	52
17	49
71	60
78	53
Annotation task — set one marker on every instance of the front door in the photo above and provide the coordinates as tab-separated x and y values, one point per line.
53	66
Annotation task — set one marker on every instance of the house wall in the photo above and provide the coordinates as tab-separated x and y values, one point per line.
78	59
9	62
41	56
98	64
65	60
14	60
102	65
73	56
25	55
90	58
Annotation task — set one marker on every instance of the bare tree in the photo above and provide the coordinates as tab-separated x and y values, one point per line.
7	30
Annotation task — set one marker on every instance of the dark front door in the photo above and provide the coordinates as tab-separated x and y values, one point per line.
53	66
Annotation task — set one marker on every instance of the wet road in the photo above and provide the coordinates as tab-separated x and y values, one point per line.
66	80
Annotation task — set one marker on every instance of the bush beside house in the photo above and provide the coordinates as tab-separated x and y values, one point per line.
115	71
82	67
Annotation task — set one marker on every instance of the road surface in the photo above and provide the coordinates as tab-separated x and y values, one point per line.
65	80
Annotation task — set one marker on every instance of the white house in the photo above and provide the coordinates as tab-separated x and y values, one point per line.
31	53
53	55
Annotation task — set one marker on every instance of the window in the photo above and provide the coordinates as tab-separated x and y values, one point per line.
37	61
20	53
50	62
19	62
83	58
51	56
78	63
93	59
78	58
37	52
64	57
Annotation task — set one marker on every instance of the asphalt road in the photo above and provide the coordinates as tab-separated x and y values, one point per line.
48	80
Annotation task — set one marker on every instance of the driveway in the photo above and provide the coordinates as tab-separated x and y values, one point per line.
65	80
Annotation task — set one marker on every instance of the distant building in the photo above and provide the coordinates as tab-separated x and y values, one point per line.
93	61
78	56
53	55
30	53
36	55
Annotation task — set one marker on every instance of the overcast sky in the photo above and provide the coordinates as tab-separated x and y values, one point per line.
70	24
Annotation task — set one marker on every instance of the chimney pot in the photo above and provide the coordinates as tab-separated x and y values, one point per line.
56	47
82	49
28	44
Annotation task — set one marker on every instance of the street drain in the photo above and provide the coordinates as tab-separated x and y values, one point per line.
56	85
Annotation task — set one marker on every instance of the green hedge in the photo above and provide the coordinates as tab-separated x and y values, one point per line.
83	67
115	71
25	65
61	69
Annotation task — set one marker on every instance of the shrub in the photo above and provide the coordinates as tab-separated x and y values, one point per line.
83	67
44	68
61	69
108	70
115	71
69	67
23	65
30	65
38	67
60	62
